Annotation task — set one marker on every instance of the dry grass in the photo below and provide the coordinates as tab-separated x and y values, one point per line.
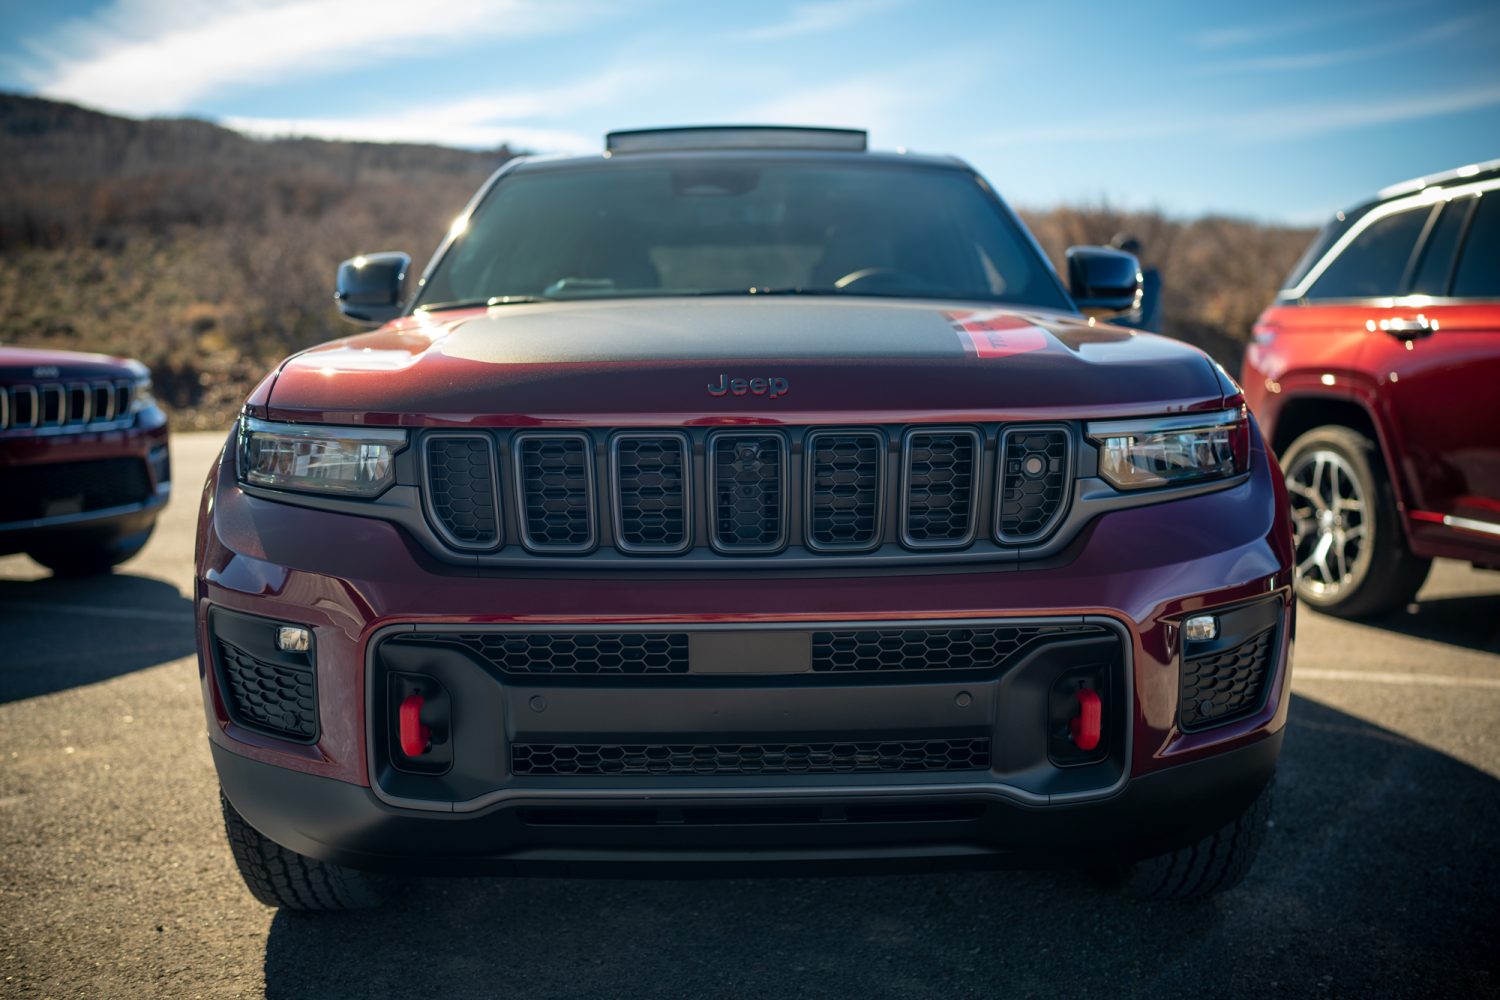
210	256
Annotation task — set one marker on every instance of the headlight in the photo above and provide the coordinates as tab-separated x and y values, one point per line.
1172	451
349	461
141	396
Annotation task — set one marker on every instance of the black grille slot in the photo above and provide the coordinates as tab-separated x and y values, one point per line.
462	491
1227	685
556	482
941	471
56	490
863	650
568	652
748	502
749	758
844	478
276	698
651	492
1033	483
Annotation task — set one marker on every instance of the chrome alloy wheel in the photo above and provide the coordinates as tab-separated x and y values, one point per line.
1330	523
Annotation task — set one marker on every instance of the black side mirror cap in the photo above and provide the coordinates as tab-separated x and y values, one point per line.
1103	281
371	287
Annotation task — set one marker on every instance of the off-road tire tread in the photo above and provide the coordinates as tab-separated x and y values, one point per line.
283	878
1214	864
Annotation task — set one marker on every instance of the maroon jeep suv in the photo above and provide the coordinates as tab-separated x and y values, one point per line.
1376	376
84	469
743	500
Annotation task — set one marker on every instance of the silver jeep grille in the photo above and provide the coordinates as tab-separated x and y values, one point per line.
94	404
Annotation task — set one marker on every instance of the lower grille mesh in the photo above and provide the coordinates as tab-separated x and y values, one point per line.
274	697
862	650
571	652
751	758
1226	685
32	492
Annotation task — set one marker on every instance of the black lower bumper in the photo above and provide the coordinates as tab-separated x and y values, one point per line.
807	829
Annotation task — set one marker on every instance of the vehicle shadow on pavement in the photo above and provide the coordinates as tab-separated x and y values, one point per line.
59	633
1472	621
1378	877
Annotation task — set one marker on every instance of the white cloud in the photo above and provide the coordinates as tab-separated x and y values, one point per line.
1325	58
813	18
161	56
523	120
1287	122
1259	31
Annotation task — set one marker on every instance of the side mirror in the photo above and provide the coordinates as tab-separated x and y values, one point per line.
371	286
1102	281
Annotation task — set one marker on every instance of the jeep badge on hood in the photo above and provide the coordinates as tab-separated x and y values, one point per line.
768	387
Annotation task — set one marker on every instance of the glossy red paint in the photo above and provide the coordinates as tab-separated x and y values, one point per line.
1432	401
346	578
650	362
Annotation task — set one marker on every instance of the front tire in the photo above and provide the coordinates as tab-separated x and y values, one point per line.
1214	864
1352	560
86	556
283	878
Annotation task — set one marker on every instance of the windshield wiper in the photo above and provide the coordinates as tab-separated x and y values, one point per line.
495	300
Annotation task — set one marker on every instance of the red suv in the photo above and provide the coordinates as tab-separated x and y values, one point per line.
742	500
84	469
1376	379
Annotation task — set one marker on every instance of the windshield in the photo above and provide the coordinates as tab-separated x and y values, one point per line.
710	226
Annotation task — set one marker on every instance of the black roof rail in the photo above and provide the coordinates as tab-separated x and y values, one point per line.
702	137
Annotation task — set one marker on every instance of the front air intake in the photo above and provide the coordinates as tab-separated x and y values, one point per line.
462	491
555	474
747	494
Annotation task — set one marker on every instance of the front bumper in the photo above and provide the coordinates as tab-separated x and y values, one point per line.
97	487
1136	573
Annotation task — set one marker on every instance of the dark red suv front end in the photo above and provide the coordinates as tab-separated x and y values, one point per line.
689	582
84	469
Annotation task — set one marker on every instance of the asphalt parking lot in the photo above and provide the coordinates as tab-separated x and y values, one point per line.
1380	875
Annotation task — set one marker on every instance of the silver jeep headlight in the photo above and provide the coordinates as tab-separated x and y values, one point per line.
312	458
1172	451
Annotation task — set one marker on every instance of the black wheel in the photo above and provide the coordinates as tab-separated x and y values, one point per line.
279	877
87	556
1212	865
1352	560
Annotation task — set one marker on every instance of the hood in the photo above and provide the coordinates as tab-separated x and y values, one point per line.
726	360
26	364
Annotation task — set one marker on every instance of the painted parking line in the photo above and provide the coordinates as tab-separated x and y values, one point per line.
1375	677
132	614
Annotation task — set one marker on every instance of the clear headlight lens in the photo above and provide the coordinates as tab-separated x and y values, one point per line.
1172	451
348	461
142	398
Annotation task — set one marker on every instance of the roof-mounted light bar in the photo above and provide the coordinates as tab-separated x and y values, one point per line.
655	140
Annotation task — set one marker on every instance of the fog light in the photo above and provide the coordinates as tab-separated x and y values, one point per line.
293	639
1200	628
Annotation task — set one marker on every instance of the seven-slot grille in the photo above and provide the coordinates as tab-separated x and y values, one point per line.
1033	482
556	479
844	501
462	491
651	492
745	492
747	501
74	406
941	476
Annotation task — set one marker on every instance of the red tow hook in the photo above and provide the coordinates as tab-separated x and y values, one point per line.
1085	727
416	738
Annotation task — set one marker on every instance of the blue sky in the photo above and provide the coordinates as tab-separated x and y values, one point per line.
1276	110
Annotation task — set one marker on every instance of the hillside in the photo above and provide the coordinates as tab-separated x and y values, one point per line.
210	255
